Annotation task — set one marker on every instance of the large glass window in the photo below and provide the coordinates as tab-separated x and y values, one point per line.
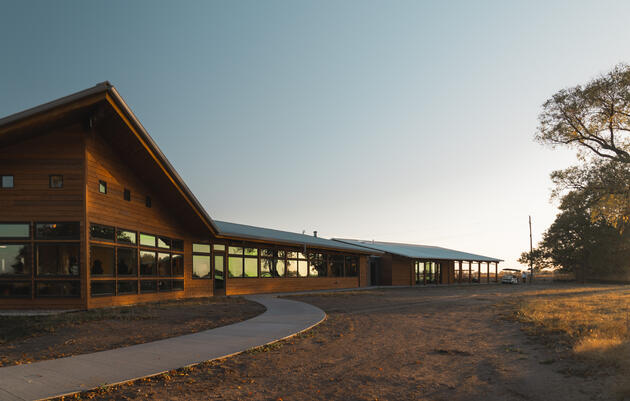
57	231
15	289
15	230
15	259
102	233
57	259
201	266
147	240
352	266
219	260
235	266
178	285
164	264
126	237
302	265
291	268
201	248
177	264
251	267
318	267
336	265
148	266
102	261
127	261
164	242
57	288
267	267
148	286
127	287
101	287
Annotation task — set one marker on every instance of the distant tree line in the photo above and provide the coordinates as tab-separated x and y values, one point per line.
591	233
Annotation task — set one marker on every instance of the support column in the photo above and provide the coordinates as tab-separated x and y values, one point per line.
479	272
424	273
496	272
460	272
469	271
488	274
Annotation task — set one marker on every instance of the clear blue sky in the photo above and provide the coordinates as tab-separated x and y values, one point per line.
398	121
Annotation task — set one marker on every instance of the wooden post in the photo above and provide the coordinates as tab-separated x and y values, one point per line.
424	273
488	274
469	271
496	272
479	272
460	272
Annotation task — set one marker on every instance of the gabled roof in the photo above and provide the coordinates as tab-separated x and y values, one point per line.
87	100
285	237
418	251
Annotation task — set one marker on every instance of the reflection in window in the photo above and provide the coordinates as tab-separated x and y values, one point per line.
235	250
266	267
147	264
147	240
57	288
291	268
99	232
148	286
280	269
177	245
102	187
219	247
102	261
127	261
127	237
164	264
302	268
251	267
201	266
57	230
218	267
15	289
57	260
235	267
201	248
178	264
164	285
336	265
15	259
14	230
178	285
352	266
127	287
164	242
317	266
251	251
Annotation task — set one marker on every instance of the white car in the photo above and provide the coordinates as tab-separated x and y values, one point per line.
509	279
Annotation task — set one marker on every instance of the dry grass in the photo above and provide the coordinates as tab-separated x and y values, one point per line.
591	323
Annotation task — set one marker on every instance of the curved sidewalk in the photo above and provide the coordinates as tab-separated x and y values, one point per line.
64	376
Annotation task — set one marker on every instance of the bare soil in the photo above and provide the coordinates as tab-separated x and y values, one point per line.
24	339
452	343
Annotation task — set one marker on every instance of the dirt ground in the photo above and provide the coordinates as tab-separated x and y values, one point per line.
27	339
394	344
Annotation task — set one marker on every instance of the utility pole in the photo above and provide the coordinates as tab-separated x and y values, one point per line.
531	250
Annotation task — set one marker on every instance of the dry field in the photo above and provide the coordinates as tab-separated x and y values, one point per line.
447	343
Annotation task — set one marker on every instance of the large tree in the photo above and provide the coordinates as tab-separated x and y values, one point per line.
594	118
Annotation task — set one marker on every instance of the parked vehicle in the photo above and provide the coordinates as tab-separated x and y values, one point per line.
510	276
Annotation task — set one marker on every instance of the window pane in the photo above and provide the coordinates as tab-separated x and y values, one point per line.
98	288
282	254
300	255
178	264
177	245
164	285
178	285
127	287
148	286
291	268
15	289
201	248
147	240
251	267
219	247
127	237
15	259
7	181
99	232
201	266
251	251
127	261
266	252
235	266
11	230
164	264
57	230
302	268
102	261
291	255
218	267
336	265
266	267
55	181
164	242
57	260
147	264
57	288
102	187
235	250
352	266
318	266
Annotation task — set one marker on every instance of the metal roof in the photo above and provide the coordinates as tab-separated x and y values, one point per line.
286	237
419	251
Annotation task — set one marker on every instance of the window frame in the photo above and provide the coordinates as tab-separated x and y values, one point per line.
50	181
2	186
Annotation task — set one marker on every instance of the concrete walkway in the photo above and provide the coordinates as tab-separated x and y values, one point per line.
57	377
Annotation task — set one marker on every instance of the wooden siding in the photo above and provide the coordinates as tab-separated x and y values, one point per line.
402	270
241	286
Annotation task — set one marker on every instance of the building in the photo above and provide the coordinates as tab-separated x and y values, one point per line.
92	214
410	264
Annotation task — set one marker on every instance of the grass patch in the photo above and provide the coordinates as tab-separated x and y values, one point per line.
591	324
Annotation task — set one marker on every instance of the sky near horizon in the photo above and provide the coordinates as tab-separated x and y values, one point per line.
403	121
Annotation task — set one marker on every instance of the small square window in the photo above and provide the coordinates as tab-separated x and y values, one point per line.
7	181
55	181
102	187
127	194
148	201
